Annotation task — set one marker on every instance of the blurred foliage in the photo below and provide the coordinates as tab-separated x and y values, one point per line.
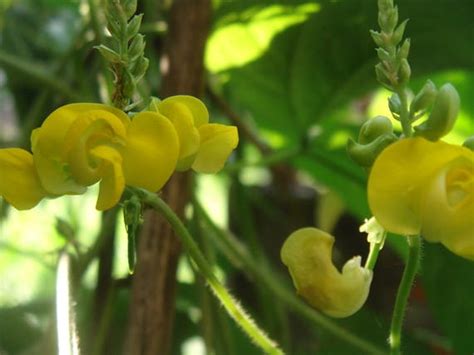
300	73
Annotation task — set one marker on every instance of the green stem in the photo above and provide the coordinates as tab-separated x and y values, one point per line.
232	307
404	114
374	253
403	293
236	252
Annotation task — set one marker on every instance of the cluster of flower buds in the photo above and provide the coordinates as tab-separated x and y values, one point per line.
393	70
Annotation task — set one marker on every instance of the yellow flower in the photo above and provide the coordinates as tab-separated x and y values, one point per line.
417	186
308	255
81	144
204	146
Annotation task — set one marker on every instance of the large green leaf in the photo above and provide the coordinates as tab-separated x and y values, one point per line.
449	282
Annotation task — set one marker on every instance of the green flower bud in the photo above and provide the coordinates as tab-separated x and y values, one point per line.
404	72
382	76
140	67
404	50
378	38
388	19
424	98
394	104
109	54
365	154
134	26
442	117
373	128
136	48
469	143
398	33
383	54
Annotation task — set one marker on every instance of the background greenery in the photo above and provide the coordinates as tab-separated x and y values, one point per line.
300	75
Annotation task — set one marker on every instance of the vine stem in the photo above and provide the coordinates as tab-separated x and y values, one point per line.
234	309
403	293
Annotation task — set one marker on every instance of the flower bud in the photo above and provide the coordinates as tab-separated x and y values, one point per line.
383	77
424	98
398	33
442	117
374	128
394	104
404	72
307	253
404	49
365	154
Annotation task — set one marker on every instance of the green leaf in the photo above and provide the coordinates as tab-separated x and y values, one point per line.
449	283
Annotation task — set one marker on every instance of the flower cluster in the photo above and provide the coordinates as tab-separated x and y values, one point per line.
81	144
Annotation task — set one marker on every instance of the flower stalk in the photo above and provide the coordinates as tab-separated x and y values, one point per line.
403	293
233	308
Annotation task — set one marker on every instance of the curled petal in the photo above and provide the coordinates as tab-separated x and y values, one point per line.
90	129
448	207
49	145
307	254
113	181
151	151
19	183
217	142
395	187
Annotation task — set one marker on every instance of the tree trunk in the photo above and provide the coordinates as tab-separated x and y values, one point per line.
154	283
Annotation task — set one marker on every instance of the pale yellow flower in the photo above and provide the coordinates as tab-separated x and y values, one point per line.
308	255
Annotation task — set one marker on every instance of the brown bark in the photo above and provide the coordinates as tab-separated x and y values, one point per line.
154	283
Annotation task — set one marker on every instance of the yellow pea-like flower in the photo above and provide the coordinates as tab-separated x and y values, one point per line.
204	146
308	255
422	187
81	144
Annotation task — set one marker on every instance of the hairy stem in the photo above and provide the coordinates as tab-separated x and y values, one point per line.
232	307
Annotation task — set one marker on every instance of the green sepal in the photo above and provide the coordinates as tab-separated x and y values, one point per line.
443	115
404	50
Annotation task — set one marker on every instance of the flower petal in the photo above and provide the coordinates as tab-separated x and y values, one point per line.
48	146
396	181
308	255
182	118
19	183
113	181
217	142
151	151
194	105
448	211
